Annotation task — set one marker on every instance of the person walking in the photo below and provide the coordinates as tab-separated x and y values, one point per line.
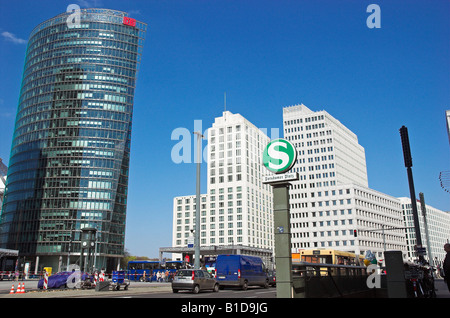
446	265
158	277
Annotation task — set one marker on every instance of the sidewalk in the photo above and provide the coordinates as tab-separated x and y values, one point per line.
441	289
135	288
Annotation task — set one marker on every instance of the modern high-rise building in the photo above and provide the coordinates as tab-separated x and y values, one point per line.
68	168
331	199
241	203
3	172
237	209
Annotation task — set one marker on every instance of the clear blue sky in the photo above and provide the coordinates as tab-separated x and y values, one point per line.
266	55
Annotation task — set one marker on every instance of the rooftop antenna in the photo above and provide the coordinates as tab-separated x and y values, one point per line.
225	100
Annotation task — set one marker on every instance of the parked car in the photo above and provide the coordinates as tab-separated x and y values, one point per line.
194	280
241	271
272	278
60	279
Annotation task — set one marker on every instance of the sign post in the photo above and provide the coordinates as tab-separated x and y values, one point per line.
280	156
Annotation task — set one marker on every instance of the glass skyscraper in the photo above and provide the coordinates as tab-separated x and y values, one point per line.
68	168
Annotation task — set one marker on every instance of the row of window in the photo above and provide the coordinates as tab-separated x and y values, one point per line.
68	80
323	244
111	130
56	74
306	120
63	61
86	29
48	118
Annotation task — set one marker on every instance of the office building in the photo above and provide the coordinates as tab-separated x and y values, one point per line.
237	209
68	168
332	199
437	222
3	172
184	209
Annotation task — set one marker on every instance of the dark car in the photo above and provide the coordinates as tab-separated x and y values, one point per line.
194	280
60	279
272	278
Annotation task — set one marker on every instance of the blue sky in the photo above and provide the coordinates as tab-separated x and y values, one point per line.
266	55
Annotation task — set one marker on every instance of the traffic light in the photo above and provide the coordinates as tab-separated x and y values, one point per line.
355	233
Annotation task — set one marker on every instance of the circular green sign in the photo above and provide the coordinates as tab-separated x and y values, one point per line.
279	156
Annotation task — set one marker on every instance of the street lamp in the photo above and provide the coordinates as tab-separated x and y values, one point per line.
197	204
408	164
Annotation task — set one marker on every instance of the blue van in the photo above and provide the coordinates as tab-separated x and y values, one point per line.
241	271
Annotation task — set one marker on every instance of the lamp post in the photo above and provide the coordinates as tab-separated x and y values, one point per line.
408	164
425	225
197	204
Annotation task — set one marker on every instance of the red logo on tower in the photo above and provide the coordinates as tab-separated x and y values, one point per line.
129	21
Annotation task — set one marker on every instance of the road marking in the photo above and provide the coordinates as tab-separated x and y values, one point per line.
264	292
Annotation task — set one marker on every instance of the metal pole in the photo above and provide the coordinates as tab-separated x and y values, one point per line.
283	256
414	207
408	164
95	252
68	254
197	204
424	214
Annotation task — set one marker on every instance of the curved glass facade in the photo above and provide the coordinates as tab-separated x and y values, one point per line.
70	152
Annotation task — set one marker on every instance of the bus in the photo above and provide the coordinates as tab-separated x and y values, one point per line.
147	270
324	256
327	256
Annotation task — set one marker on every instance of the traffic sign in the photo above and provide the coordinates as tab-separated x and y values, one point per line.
190	241
420	250
279	156
280	178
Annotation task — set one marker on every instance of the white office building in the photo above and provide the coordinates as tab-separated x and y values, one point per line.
438	228
237	209
331	199
184	209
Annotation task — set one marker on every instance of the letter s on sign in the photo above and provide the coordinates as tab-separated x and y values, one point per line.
276	154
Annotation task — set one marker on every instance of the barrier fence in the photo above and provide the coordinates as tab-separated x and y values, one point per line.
98	275
316	280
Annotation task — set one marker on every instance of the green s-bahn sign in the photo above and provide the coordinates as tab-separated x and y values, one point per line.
279	156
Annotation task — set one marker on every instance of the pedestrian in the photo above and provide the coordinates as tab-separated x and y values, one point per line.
446	265
158	276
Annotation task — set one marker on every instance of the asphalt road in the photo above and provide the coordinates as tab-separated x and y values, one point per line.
251	292
153	290
135	290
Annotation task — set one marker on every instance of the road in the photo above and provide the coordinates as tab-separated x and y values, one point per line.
136	290
155	290
256	292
